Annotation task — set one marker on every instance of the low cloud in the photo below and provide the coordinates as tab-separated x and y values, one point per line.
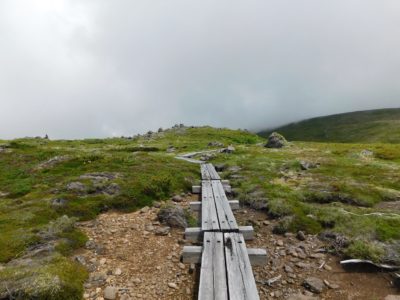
96	68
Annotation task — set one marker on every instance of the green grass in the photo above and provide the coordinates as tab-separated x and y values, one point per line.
373	126
338	196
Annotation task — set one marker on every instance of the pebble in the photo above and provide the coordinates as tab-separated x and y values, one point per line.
302	265
117	272
145	209
173	285
192	268
314	284
110	293
288	269
162	230
301	236
278	294
137	280
177	198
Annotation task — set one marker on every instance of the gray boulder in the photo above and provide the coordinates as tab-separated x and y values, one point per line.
172	216
276	140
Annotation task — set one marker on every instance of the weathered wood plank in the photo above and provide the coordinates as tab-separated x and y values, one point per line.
196	205
205	174
227	221
241	283
213	173
213	273
209	218
195	234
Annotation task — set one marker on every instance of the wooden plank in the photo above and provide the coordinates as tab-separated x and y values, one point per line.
227	221
241	283
195	234
205	174
192	255
213	173
209	218
213	273
196	205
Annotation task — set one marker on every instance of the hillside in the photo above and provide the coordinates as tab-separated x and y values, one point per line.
372	126
47	186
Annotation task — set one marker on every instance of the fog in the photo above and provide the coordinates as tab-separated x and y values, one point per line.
100	68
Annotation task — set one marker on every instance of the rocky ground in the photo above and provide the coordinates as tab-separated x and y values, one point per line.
299	267
133	256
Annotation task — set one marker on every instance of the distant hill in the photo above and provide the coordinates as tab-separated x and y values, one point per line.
371	126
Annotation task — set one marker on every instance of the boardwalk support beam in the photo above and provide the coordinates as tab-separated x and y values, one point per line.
195	234
192	255
196	205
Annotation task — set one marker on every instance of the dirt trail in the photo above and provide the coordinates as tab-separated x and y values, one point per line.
126	253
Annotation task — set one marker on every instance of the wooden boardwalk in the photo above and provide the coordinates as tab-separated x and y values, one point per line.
226	271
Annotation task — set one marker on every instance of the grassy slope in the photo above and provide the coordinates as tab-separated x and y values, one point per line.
355	127
316	200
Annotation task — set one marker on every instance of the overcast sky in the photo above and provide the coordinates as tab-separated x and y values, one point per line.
97	68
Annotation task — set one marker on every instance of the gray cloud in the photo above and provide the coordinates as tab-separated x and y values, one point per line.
94	68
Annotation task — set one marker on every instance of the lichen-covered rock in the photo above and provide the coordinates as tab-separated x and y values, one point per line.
229	149
55	228
77	187
276	140
52	162
98	176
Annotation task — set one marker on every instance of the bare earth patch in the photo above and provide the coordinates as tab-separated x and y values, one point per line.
132	258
